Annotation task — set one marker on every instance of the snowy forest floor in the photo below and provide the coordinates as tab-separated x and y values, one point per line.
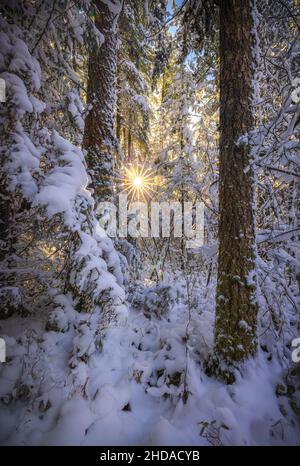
136	386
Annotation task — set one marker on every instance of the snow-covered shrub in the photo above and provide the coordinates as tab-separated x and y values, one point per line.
43	172
56	264
11	301
130	258
156	300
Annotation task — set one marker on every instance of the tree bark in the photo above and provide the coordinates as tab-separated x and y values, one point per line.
236	306
99	139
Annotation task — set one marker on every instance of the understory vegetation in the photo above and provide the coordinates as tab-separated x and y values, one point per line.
135	339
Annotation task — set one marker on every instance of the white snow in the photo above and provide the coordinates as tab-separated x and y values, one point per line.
126	404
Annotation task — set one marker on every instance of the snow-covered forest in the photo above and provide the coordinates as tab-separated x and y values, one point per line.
149	230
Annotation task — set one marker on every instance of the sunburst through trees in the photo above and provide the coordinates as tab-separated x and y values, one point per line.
138	182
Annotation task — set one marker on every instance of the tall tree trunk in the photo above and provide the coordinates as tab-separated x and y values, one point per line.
99	138
236	307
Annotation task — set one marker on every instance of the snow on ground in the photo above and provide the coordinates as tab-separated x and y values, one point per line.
135	387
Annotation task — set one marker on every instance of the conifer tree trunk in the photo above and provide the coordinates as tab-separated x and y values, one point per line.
236	307
99	138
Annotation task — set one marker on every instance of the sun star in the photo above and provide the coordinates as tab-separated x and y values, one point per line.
138	181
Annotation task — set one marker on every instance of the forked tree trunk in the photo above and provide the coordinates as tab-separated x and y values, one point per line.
99	138
236	307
